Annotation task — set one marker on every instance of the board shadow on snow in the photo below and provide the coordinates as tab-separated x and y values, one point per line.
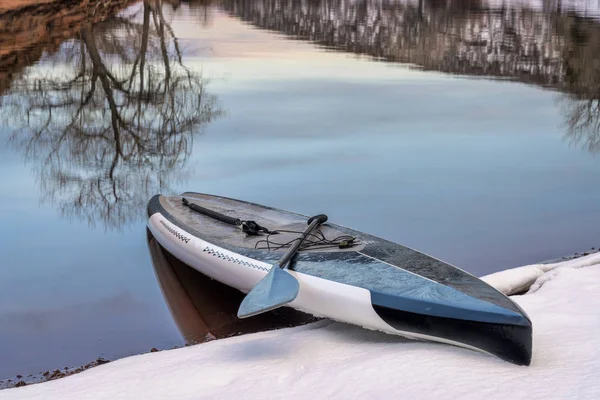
356	334
259	348
360	336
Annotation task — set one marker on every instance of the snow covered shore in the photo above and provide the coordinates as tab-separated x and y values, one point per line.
526	278
334	360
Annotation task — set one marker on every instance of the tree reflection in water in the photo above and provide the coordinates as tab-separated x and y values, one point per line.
110	118
581	106
112	121
552	46
583	123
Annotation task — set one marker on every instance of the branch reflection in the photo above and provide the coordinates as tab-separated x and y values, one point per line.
554	45
581	105
109	120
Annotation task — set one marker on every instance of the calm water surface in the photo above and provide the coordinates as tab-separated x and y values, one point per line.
471	133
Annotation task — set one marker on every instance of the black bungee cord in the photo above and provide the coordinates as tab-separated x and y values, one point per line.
313	241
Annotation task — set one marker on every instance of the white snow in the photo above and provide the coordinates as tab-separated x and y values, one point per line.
517	280
338	361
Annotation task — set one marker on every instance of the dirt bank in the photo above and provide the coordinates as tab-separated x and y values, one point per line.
28	28
11	5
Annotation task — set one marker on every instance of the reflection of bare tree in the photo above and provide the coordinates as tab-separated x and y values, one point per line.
200	10
551	46
581	106
459	37
583	123
112	122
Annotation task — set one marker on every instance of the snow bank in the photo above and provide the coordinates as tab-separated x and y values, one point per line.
338	361
519	280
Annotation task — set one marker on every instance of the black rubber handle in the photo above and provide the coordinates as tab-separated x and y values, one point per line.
210	213
322	218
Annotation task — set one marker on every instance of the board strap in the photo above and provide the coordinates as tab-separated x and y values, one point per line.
248	227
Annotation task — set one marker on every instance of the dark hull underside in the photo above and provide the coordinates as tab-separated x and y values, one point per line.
410	291
508	342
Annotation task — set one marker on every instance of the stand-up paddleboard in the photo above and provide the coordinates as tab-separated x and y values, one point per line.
338	273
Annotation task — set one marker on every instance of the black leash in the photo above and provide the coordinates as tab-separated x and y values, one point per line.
251	228
248	227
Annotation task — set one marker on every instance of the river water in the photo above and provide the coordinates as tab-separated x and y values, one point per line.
471	133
